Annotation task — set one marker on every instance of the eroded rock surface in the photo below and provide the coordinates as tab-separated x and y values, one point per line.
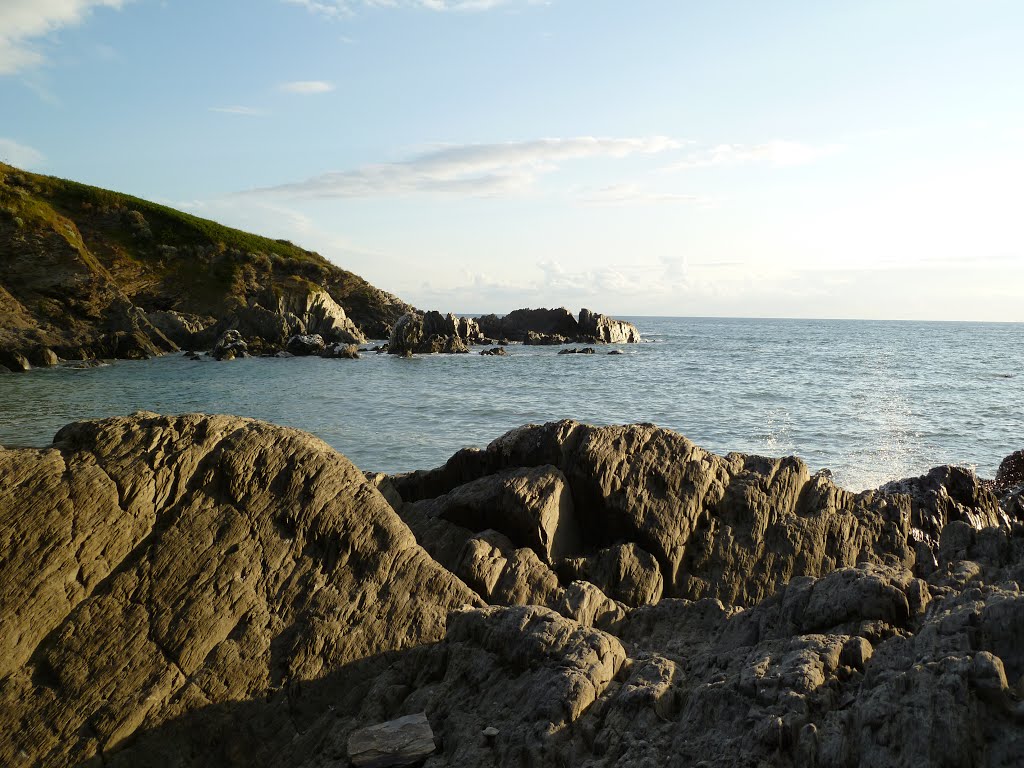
156	565
209	590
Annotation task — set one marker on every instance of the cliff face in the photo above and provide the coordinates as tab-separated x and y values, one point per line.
215	591
86	272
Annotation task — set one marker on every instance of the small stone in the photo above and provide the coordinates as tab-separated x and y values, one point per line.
490	732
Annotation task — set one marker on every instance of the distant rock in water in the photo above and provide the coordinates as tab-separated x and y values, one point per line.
558	326
607	329
216	591
90	273
432	333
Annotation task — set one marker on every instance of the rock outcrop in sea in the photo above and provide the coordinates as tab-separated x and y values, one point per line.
88	273
213	591
558	326
432	332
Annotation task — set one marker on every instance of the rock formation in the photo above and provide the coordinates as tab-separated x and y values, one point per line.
90	273
211	590
432	333
558	326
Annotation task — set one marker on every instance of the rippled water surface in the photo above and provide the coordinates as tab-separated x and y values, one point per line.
873	401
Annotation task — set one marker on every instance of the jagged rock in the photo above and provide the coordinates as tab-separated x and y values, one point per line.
734	527
557	326
1010	472
497	351
624	572
432	333
607	329
318	314
532	506
229	346
312	344
405	741
131	334
406	335
518	324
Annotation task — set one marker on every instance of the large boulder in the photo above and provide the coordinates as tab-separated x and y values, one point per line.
157	566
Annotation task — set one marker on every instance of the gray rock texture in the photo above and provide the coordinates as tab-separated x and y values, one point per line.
216	591
154	566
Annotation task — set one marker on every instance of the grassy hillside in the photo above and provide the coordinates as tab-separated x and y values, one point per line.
66	248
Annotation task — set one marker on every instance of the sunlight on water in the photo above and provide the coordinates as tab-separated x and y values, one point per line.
872	401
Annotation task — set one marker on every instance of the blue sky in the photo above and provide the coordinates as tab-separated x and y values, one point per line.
787	159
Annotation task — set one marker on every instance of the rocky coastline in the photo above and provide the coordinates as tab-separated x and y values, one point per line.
86	273
89	274
216	591
418	333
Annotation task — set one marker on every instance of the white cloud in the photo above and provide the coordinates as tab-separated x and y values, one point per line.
307	86
626	194
20	155
470	169
335	9
777	154
24	21
238	110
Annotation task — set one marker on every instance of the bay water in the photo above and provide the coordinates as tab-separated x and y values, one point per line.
872	401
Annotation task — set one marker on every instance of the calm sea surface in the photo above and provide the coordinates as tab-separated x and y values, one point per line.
873	401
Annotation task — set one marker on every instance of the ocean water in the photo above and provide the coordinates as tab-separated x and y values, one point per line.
872	401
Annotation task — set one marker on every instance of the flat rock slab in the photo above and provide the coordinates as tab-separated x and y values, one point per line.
404	741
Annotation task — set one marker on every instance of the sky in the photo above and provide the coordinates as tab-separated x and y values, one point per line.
820	158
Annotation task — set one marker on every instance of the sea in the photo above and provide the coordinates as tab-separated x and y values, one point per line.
872	401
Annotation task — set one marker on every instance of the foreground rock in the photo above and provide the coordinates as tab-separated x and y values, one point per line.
733	528
157	566
198	591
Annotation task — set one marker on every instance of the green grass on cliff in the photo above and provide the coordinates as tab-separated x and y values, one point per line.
167	258
175	227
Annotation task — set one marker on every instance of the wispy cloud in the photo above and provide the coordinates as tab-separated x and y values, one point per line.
470	169
238	110
335	9
20	155
777	154
307	87
627	194
23	22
